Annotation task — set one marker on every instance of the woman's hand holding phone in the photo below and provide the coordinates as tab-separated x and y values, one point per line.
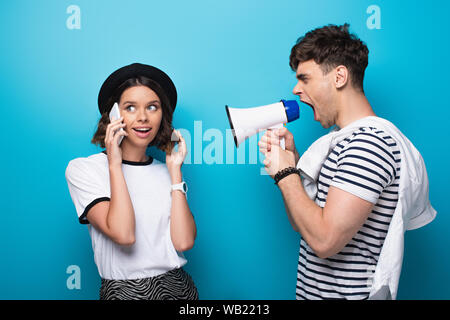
113	134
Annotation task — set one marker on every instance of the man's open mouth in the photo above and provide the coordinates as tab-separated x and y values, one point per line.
312	107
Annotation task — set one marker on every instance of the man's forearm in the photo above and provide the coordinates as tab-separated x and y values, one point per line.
297	156
289	215
288	212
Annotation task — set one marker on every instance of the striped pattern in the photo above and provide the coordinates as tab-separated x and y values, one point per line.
366	164
173	285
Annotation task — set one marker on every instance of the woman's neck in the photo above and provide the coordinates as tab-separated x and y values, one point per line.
133	153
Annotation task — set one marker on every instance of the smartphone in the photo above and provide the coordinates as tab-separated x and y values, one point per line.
115	113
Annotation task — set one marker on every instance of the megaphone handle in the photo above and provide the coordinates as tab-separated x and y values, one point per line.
282	144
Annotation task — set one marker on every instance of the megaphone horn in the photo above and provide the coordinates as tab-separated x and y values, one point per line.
245	122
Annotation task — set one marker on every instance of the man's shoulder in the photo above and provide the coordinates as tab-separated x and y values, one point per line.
370	147
371	138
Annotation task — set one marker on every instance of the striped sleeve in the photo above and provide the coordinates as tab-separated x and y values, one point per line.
365	166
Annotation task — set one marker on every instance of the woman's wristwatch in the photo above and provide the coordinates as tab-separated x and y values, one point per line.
180	186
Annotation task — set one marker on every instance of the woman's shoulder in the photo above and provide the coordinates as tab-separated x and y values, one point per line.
92	164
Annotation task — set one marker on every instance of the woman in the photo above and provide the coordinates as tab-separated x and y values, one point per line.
136	207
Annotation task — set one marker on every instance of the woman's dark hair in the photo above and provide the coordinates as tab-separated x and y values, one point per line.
331	46
163	138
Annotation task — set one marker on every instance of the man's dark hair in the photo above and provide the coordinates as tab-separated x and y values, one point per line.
331	46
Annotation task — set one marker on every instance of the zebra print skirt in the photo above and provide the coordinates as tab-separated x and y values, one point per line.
175	284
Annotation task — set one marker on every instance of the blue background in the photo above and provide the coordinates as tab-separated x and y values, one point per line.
217	53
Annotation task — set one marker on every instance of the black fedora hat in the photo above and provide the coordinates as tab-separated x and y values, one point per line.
119	76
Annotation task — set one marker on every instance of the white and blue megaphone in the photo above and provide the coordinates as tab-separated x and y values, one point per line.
246	122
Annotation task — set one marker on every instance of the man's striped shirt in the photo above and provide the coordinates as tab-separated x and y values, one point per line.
365	164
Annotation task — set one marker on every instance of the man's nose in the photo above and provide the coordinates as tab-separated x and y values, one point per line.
297	89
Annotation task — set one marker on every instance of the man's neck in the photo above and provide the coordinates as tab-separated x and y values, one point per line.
353	106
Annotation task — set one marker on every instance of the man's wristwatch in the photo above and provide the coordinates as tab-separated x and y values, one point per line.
180	186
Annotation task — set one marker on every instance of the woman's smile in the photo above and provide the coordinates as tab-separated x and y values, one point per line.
142	132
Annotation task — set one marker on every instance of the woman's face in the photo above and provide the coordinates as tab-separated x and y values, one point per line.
141	110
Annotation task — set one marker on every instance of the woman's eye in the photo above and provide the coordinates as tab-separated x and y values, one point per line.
130	108
152	107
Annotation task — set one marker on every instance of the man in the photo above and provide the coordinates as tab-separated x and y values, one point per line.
345	224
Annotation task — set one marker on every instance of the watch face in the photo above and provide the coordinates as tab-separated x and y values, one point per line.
184	187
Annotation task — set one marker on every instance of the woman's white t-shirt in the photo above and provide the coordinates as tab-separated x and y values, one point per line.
149	187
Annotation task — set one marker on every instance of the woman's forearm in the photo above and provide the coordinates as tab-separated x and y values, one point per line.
120	220
182	225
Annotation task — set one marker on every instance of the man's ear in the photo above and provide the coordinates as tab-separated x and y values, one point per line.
341	76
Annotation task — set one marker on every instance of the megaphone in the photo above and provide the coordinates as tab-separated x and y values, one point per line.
245	122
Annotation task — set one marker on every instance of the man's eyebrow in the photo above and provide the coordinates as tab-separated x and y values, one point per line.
302	76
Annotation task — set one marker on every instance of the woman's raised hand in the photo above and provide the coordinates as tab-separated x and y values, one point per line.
175	159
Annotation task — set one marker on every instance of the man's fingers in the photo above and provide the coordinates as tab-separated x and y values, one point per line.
281	132
270	138
284	133
265	137
263	144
